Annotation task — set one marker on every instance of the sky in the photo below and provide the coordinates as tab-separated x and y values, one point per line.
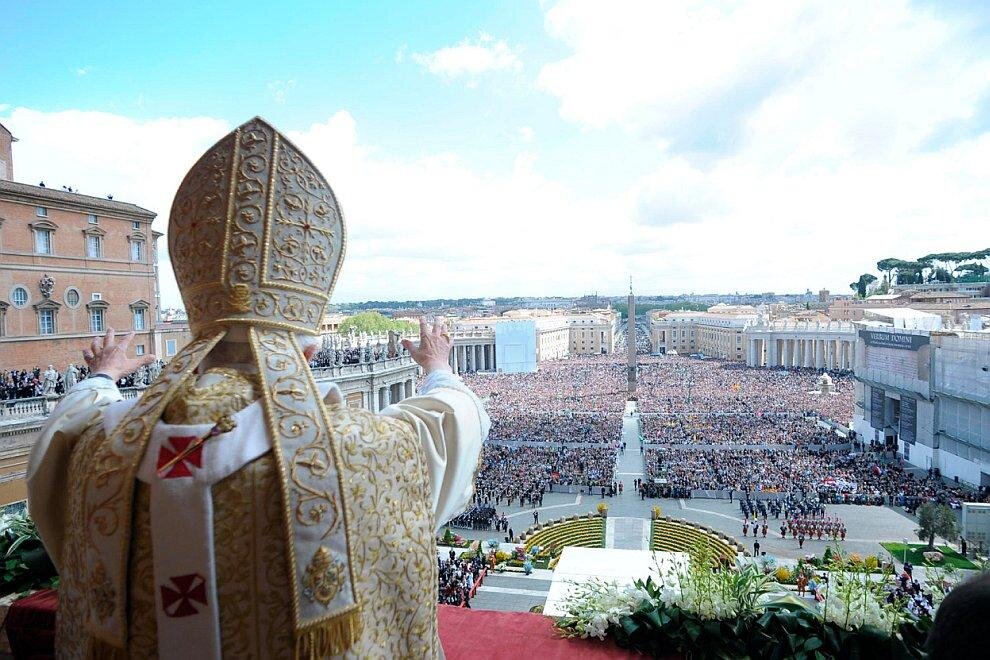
539	148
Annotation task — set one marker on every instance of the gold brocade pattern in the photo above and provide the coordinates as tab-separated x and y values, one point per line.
394	551
195	404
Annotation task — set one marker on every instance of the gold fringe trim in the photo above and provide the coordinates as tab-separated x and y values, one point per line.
330	637
97	649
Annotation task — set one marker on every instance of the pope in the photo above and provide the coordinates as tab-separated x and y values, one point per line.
238	508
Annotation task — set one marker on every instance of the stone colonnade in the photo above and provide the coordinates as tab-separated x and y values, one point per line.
811	353
373	385
393	393
472	355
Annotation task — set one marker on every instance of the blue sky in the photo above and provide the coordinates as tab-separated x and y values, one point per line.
539	148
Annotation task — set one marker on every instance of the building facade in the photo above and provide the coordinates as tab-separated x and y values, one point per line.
593	333
70	267
927	394
554	335
952	303
712	333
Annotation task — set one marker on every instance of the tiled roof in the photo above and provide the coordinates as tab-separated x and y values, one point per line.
36	194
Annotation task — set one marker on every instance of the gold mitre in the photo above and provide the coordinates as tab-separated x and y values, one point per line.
256	235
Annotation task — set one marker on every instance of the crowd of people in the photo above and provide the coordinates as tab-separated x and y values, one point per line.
834	477
23	384
457	577
674	384
599	428
576	384
480	516
523	474
735	429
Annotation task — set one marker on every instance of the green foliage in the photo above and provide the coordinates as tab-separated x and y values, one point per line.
643	308
781	629
25	563
936	519
375	323
860	285
934	267
915	555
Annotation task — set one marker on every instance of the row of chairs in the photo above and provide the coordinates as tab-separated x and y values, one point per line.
581	531
681	536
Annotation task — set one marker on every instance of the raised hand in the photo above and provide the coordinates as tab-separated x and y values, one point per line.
433	349
108	356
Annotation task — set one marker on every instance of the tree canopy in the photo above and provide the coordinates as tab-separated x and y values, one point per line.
934	267
374	323
860	285
936	519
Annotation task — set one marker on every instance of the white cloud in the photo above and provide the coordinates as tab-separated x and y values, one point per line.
83	70
798	141
417	228
675	192
526	133
470	58
651	66
280	89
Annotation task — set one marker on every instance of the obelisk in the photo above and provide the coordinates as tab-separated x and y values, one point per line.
631	343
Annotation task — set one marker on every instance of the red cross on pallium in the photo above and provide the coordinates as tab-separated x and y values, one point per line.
188	589
179	444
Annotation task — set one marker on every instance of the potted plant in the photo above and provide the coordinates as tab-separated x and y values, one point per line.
603	509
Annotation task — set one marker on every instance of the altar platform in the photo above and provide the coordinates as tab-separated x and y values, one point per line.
623	567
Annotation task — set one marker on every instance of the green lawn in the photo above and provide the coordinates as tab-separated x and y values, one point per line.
915	556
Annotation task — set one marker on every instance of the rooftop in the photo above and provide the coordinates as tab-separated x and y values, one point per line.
23	192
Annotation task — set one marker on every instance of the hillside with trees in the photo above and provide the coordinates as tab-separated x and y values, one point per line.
934	267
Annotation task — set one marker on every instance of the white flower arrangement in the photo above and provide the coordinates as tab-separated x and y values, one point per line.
595	605
852	600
